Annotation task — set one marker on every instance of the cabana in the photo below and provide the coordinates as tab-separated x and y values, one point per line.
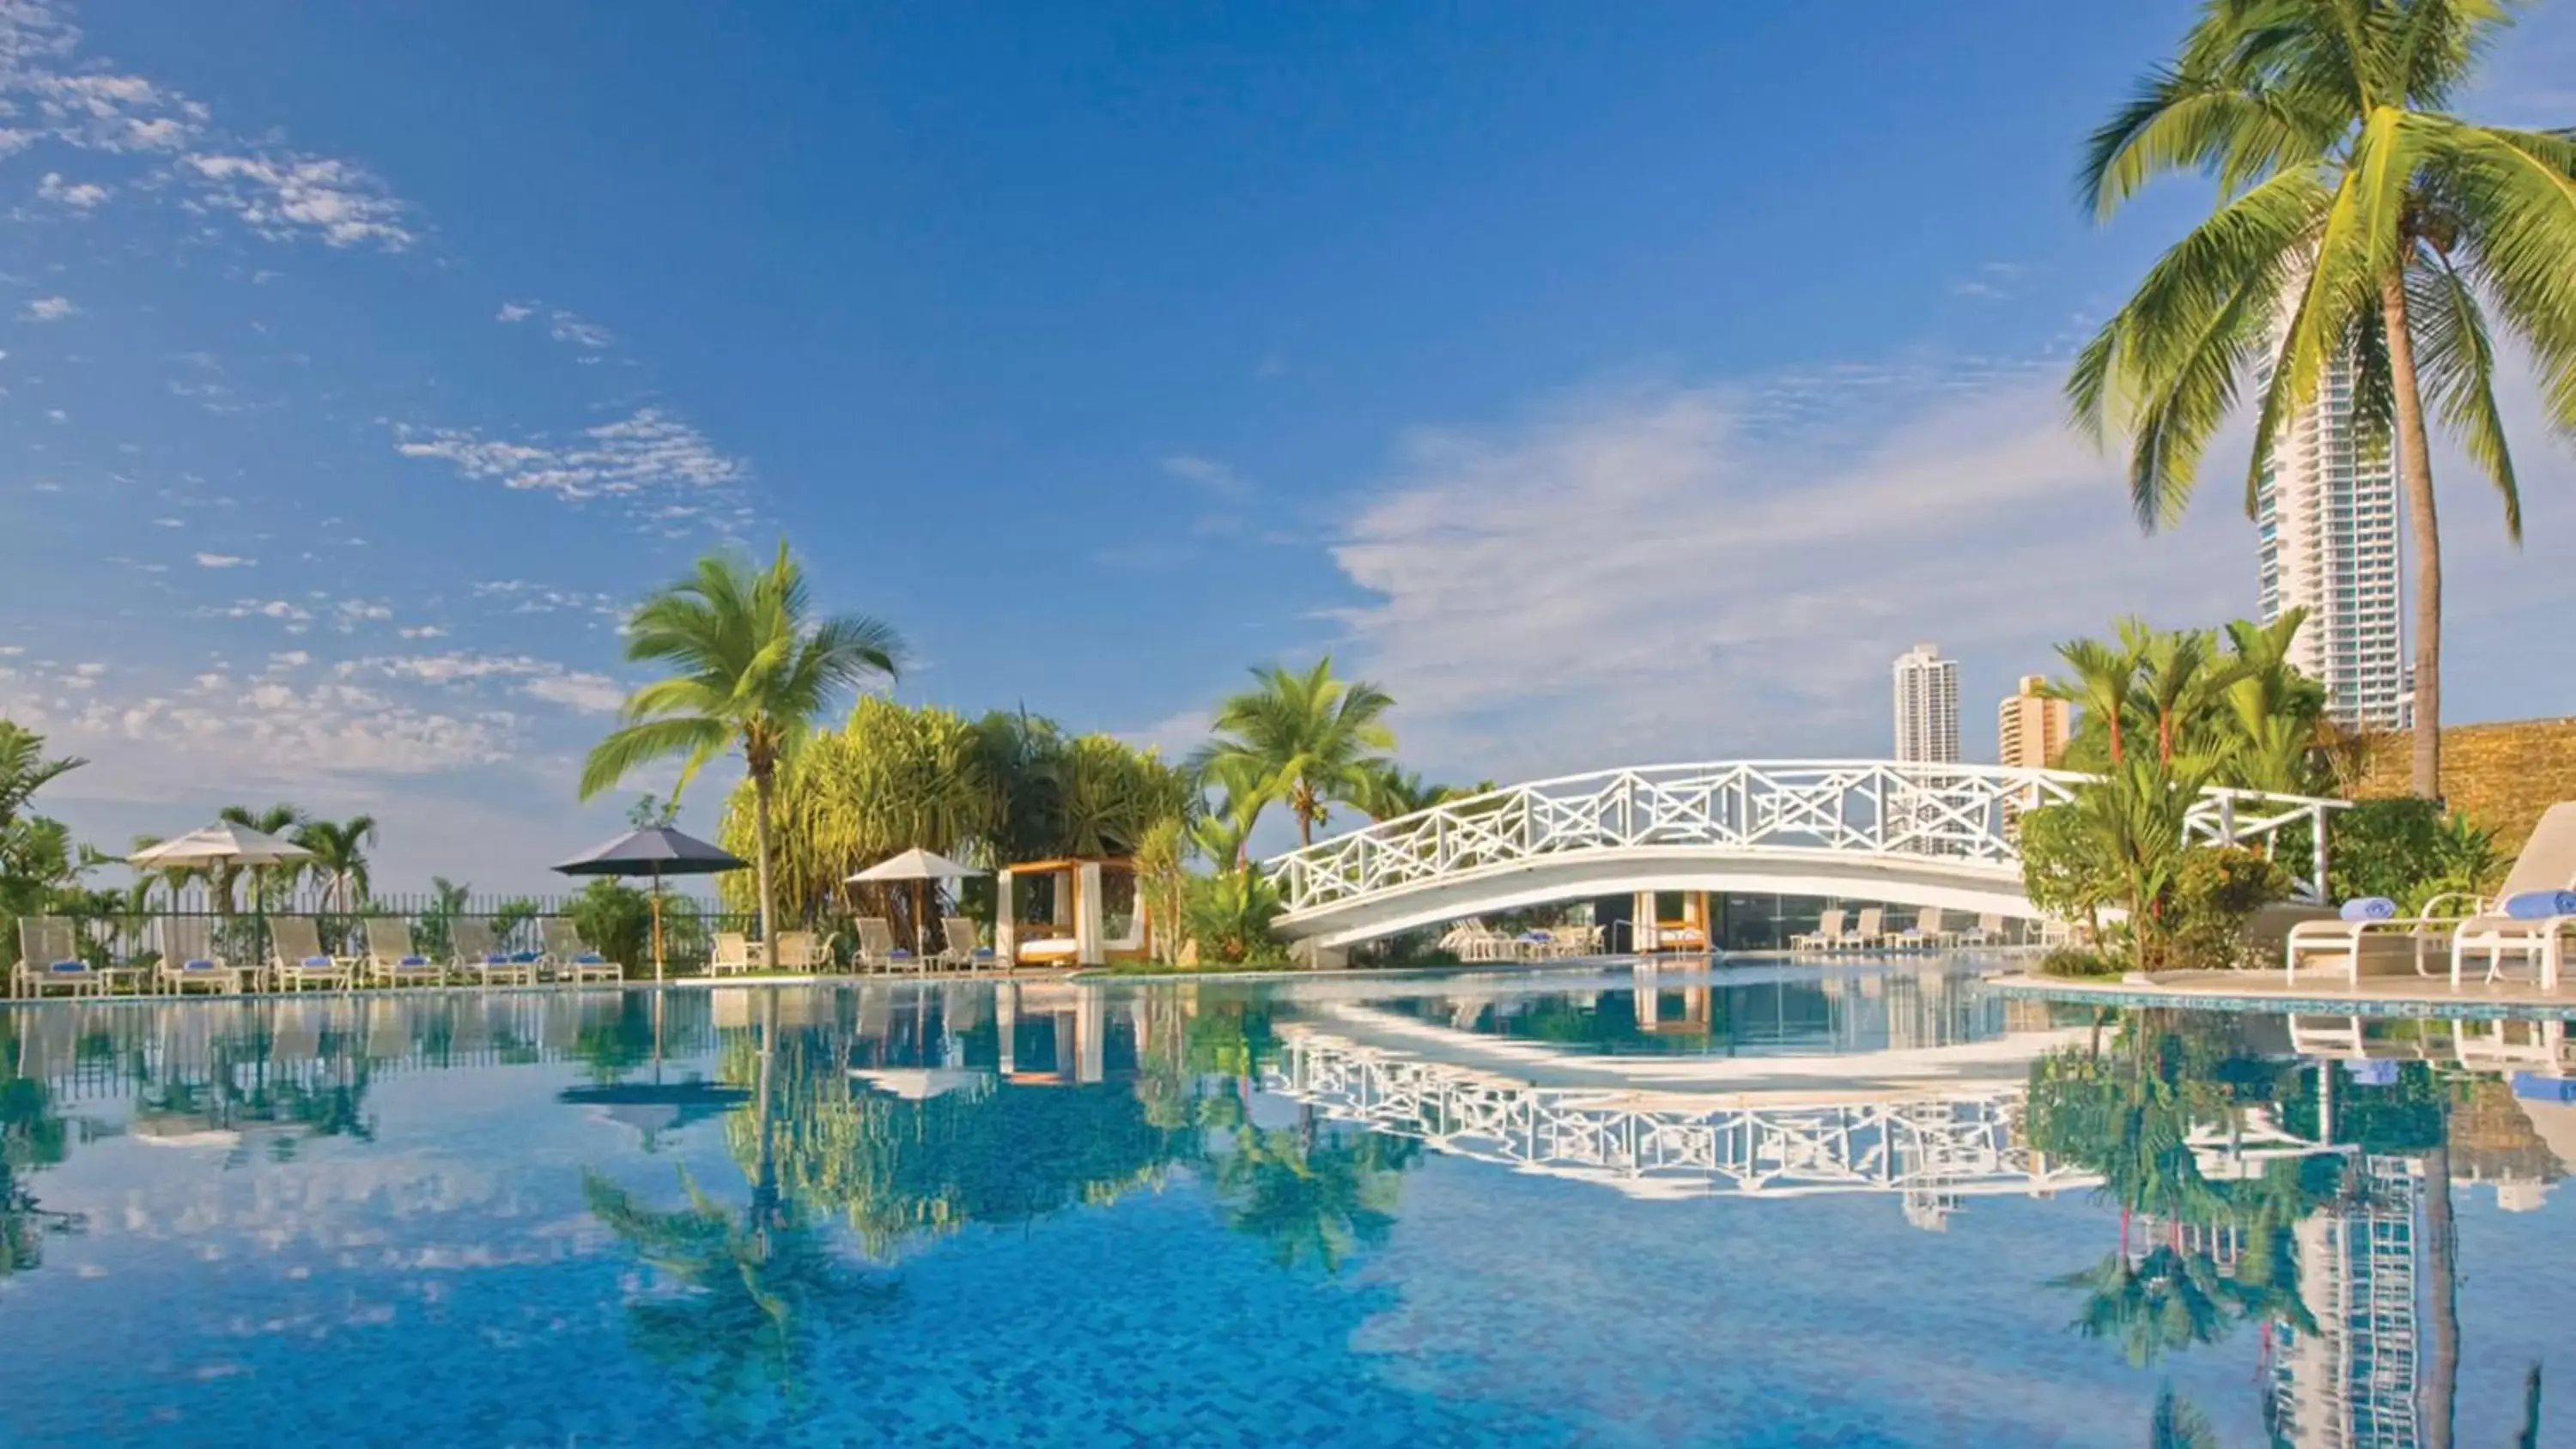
1080	911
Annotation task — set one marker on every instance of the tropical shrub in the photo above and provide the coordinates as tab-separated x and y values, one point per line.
2062	871
2076	961
1229	914
2215	892
2408	851
617	920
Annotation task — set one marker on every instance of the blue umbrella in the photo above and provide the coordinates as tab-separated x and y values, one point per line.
655	851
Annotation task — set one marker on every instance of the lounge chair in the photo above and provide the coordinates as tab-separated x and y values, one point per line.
296	957
50	959
570	957
965	948
479	956
876	948
1870	930
2547	863
800	951
1988	931
731	952
390	959
1827	936
189	958
1926	932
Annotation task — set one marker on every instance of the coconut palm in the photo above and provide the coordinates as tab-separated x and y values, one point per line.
24	769
754	672
2270	710
2360	228
2102	680
339	850
1313	738
1387	791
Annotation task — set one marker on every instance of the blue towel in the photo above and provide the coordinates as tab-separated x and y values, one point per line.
590	958
69	966
899	954
196	965
317	960
2541	905
523	958
413	961
2370	908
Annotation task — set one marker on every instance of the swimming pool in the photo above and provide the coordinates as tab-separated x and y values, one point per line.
1774	1205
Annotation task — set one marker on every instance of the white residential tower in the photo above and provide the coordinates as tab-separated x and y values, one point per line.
2325	512
1927	706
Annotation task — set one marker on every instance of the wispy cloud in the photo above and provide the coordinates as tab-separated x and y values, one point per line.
49	309
1640	572
76	195
515	312
657	463
224	561
539	679
561	325
288	196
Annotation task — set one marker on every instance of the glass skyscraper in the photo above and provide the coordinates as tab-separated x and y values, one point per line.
2325	510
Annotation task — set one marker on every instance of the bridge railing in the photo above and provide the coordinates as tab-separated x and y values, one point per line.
1962	813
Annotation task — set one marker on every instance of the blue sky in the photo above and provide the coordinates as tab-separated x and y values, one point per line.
1612	393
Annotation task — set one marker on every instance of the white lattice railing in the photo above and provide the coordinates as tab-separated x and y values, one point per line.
1916	1145
1830	807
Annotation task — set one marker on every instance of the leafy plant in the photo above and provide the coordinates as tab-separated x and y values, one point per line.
1310	739
617	920
2215	892
1229	915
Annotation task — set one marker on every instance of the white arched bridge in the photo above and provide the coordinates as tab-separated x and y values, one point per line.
1919	834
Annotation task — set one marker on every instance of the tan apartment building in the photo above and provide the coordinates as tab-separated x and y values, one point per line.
2030	728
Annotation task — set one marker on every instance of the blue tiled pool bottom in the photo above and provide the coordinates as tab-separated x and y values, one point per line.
1139	1217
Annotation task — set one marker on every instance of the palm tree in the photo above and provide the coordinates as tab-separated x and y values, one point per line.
2359	226
755	671
339	856
1223	831
1311	737
2103	680
2272	710
1386	791
24	769
277	819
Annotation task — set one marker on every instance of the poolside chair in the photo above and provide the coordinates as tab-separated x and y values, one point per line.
390	959
800	951
1988	931
731	952
570	957
2547	863
1926	932
478	956
1827	935
189	958
1870	930
965	948
49	959
876	949
296	957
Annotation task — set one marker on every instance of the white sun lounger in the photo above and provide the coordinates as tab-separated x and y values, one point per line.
2547	863
296	957
1827	935
570	957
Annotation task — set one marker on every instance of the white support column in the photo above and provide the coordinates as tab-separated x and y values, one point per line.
1086	915
1006	929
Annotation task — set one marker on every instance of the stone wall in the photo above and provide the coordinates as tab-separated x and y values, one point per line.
2502	775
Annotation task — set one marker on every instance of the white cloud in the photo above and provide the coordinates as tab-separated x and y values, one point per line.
527	597
224	561
49	309
515	311
422	631
77	195
567	328
1222	481
290	196
539	679
650	459
1640	574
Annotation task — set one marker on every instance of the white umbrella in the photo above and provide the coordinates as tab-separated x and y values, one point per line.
219	845
916	865
222	843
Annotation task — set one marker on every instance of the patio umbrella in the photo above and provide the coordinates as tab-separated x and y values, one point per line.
656	852
222	843
916	865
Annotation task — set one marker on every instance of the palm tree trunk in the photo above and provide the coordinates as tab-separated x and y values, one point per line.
2441	1290
760	853
2424	538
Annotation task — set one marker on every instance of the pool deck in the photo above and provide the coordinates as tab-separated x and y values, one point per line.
2403	995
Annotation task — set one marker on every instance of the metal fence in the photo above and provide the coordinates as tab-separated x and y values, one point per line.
516	923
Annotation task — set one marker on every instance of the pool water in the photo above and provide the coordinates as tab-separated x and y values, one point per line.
1764	1205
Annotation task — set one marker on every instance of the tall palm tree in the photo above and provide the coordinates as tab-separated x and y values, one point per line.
1313	738
2360	226
1387	790
24	769
2103	679
754	672
278	819
339	857
2271	742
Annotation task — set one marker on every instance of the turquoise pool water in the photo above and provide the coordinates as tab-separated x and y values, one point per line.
1768	1206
